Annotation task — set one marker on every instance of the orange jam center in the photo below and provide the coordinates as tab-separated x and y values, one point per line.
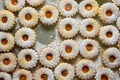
64	73
4	19
49	57
85	69
22	77
28	57
68	7
108	12
4	41
68	27
6	61
28	17
88	7
48	14
89	47
104	77
14	2
44	77
89	27
25	37
109	34
112	59
68	49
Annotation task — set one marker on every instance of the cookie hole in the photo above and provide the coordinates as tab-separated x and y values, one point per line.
89	27
4	41
112	58
108	12
28	57
89	47
14	2
49	57
6	61
104	77
109	34
23	77
28	17
68	7
44	77
68	27
68	49
64	73
85	69
25	37
48	14
4	19
88	7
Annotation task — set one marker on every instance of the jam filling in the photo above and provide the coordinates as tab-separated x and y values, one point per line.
14	2
64	73
25	37
108	12
28	57
88	7
89	27
109	34
6	61
104	77
49	57
28	17
68	49
4	19
48	14
68	7
44	77
89	47
85	69
68	27
23	77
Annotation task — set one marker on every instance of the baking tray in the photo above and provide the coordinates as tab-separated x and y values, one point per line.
52	38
